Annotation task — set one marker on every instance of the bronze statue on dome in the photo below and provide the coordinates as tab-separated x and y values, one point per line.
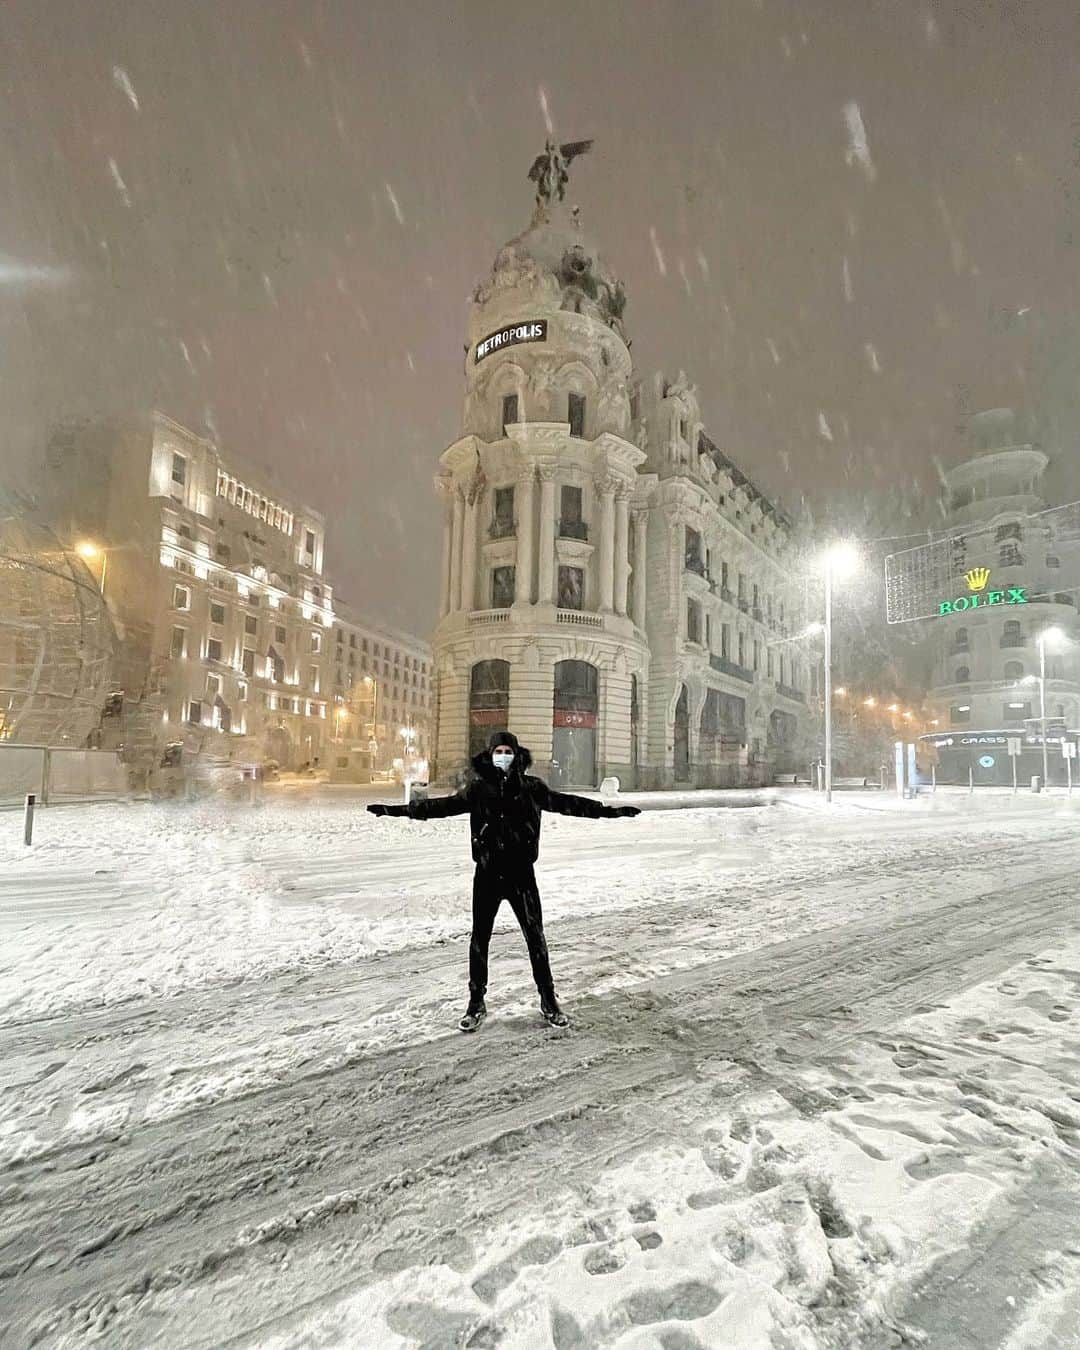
549	170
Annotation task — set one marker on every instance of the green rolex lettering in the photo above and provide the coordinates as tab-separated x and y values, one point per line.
1017	595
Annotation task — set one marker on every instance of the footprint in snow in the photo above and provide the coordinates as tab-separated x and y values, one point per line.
642	1211
604	1261
685	1302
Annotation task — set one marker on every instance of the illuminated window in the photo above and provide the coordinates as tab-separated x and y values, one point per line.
178	646
213	649
316	642
181	597
179	470
195	712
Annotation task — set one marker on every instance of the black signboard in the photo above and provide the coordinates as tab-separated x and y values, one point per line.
533	330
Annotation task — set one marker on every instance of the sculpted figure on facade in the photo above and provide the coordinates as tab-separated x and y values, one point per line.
549	170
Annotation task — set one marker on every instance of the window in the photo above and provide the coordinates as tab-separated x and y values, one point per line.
693	621
510	411
960	640
279	633
576	414
1011	634
1014	670
724	579
195	712
502	587
725	641
684	428
251	624
963	674
352	641
316	643
769	663
742	589
742	650
1009	555
757	600
217	613
502	525
959	713
241	691
254	599
213	649
313	678
223	553
695	553
181	597
213	687
247	661
309	544
1052	560
571	524
757	654
1015	711
1011	530
571	588
179	470
178	646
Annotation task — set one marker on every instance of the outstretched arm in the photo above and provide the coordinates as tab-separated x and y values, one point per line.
567	804
434	809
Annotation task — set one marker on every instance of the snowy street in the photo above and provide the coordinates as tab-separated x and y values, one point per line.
821	1086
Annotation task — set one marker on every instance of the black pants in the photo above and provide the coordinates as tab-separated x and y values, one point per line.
491	886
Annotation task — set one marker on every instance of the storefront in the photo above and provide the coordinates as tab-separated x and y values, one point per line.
983	758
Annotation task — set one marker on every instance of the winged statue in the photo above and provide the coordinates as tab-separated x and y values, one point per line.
549	170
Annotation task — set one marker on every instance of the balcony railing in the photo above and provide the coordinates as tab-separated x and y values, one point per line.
744	604
786	691
482	618
697	566
502	529
1009	641
732	668
579	619
574	529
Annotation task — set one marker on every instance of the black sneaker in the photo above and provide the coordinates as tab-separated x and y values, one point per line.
474	1015
552	1013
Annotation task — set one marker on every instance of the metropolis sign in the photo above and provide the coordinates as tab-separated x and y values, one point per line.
533	331
977	580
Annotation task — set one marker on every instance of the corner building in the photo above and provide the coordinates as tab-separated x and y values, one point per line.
613	588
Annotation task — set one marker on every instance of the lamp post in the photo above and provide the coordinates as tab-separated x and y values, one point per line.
88	552
1054	634
840	560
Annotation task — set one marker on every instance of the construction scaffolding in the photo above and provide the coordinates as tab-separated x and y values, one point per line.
56	638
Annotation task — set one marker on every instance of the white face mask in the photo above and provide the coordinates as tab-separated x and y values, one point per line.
503	761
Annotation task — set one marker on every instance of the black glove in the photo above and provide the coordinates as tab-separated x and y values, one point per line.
623	810
378	809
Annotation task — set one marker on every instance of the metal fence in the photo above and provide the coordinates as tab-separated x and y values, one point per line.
56	774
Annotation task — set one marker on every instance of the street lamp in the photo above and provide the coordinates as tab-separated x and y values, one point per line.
89	551
840	561
1051	635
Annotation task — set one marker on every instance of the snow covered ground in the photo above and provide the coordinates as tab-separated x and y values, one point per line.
822	1086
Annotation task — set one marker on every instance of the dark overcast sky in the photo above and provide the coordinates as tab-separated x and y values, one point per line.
266	217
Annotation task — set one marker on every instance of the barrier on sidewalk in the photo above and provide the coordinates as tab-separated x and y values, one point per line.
56	774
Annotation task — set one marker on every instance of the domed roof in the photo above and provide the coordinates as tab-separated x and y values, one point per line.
554	251
999	429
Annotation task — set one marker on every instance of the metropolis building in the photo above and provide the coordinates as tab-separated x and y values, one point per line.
613	588
1016	577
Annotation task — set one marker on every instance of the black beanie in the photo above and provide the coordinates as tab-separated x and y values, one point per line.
504	738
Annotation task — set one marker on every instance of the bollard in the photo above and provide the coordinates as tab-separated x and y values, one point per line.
28	818
971	780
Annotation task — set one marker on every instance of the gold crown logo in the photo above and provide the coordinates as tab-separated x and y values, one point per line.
977	578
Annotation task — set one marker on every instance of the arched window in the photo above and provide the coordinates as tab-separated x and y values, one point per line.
963	674
489	701
1014	670
1012	635
960	640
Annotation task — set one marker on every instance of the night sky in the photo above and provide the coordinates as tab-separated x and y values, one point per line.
853	223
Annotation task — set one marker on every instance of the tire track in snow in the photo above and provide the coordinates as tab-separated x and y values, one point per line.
79	1225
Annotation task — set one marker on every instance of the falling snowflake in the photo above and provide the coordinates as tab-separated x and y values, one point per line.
849	291
858	151
394	203
823	427
123	81
773	351
661	265
545	110
121	186
872	357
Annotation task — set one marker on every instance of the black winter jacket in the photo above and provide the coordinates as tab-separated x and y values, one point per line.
504	810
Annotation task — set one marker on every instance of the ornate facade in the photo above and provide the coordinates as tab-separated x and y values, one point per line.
613	587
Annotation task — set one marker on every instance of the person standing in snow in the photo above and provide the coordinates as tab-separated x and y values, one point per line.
504	802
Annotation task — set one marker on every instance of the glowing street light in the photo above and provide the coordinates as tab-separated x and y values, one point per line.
90	552
841	692
1055	636
894	707
869	702
839	561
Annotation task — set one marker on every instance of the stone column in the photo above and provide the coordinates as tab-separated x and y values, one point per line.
456	540
524	564
546	580
605	487
637	605
622	548
468	561
445	592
